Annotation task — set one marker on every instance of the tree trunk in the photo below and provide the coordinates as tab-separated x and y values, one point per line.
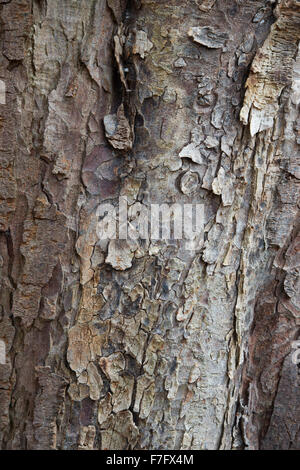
147	344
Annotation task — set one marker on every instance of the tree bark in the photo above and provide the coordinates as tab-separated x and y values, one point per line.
149	345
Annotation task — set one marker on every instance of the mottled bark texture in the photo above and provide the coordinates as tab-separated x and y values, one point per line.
149	345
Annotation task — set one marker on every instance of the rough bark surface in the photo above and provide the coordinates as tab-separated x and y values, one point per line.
124	345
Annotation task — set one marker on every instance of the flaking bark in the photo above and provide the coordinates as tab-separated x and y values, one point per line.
149	346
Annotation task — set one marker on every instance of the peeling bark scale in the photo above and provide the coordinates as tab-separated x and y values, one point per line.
146	345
